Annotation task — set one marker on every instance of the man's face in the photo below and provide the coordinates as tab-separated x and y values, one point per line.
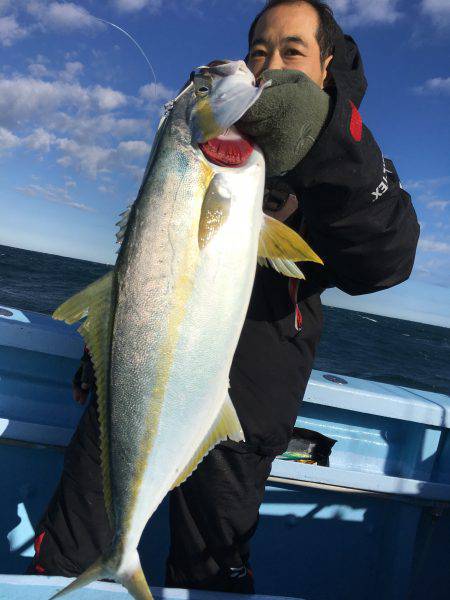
285	38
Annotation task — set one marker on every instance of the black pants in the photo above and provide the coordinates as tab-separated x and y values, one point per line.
213	516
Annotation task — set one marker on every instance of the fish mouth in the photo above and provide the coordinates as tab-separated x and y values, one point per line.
231	149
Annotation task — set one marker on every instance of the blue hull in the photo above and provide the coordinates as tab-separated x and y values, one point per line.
375	524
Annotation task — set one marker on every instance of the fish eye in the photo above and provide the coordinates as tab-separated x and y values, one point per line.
202	89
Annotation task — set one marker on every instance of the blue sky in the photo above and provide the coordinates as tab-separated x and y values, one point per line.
78	111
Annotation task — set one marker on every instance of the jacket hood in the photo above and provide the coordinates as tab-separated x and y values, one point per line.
347	69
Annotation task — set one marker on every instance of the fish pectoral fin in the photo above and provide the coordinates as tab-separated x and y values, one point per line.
281	247
226	425
95	303
215	210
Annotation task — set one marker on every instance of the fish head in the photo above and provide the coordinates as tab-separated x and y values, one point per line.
222	94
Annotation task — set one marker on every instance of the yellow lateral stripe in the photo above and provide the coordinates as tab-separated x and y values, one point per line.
182	290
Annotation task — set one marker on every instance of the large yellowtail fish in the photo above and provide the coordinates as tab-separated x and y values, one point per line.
163	326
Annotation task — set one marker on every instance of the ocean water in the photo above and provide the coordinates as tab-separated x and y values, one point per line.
355	344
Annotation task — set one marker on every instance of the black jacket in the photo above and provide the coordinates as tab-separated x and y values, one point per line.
357	217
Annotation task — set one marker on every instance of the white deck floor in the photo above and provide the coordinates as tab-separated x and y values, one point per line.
20	587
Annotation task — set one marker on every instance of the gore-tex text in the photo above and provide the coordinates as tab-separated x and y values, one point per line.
384	185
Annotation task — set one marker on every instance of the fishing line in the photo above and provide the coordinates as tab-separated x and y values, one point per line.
138	47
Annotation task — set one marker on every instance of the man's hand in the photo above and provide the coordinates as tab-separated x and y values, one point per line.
280	200
83	379
80	394
287	119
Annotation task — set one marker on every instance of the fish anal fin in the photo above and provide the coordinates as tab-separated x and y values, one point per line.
226	425
281	247
95	302
215	210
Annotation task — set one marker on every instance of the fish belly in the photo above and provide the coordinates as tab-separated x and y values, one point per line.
198	380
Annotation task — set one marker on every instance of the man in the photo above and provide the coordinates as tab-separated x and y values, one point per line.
329	180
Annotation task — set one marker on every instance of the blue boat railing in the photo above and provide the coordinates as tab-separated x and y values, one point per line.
378	513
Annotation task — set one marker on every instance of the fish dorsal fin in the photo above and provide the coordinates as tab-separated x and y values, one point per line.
215	209
95	303
281	247
225	426
125	215
122	224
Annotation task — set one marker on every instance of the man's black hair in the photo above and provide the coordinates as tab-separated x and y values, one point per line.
326	32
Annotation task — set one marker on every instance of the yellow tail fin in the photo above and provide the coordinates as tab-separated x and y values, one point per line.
131	577
137	585
96	571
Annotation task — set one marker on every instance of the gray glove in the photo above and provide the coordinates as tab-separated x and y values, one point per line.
287	119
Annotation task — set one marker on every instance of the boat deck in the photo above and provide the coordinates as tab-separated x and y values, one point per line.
42	588
374	524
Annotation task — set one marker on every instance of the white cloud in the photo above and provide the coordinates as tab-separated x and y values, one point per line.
25	98
40	140
432	245
108	99
438	10
429	192
436	85
80	124
7	139
155	93
93	159
89	128
4	6
56	16
354	13
10	30
134	148
70	183
438	204
130	5
64	161
63	15
427	184
51	193
136	5
38	70
72	70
